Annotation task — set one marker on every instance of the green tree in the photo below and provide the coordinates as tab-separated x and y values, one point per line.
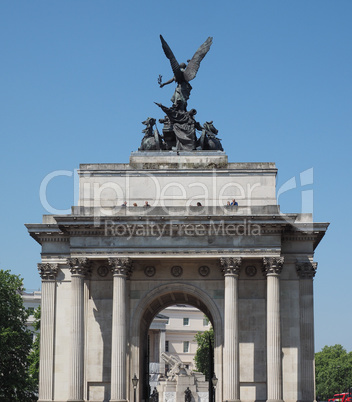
34	354
205	341
15	342
333	371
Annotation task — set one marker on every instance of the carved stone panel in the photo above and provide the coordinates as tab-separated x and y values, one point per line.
176	271
204	270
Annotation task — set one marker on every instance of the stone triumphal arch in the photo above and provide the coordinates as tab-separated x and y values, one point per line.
108	268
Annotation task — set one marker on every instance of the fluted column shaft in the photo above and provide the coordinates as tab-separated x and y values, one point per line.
272	269
121	268
231	267
79	268
48	272
306	272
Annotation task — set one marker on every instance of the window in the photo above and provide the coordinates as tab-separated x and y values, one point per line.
166	346
205	322
30	310
186	321
185	346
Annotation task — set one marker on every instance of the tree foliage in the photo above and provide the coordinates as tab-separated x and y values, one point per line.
333	371
205	341
34	354
15	342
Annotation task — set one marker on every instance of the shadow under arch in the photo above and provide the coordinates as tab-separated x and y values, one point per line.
156	300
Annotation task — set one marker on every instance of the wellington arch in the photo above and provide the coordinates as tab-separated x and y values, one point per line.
107	269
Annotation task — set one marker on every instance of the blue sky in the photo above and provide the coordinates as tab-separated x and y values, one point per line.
78	77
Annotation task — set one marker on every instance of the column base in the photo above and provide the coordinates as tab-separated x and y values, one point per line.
274	400
306	400
118	400
75	400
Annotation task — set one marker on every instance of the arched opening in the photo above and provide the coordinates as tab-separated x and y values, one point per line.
172	346
156	301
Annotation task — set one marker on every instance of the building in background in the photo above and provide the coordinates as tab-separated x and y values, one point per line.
31	301
173	331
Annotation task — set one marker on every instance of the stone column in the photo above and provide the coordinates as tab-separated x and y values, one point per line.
80	268
231	268
48	273
121	269
306	272
272	267
162	350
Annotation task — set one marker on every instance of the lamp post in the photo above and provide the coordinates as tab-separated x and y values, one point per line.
214	381
135	383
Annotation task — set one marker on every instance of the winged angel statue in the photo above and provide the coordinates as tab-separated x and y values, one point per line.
184	73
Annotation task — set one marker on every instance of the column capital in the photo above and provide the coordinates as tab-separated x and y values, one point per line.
272	265
121	266
48	271
306	269
79	266
230	266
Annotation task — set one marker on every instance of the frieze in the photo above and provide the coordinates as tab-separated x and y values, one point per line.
180	230
230	265
260	252
166	228
48	271
306	269
272	265
79	266
121	266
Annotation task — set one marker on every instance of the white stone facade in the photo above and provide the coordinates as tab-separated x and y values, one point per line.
108	270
